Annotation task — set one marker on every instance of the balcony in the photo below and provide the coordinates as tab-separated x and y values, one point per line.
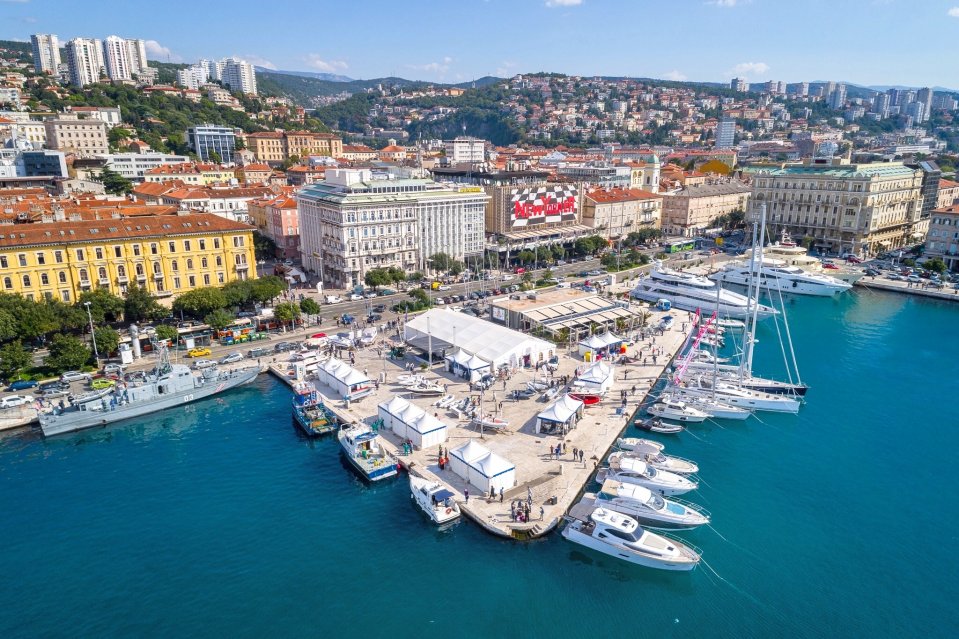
141	277
104	281
122	279
242	267
158	276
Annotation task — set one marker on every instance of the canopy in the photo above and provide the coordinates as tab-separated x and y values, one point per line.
593	342
460	357
493	465
565	410
475	363
470	451
482	468
598	377
419	427
345	380
390	410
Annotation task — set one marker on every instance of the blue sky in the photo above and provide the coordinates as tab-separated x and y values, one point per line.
861	41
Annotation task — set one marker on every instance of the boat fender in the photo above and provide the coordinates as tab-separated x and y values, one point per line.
449	510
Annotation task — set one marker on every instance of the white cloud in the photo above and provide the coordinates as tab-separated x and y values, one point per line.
156	51
953	13
256	60
674	75
438	68
29	20
327	66
563	3
726	4
750	68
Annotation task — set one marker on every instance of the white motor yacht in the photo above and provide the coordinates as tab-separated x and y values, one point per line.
794	255
776	275
668	408
639	445
690	293
435	500
621	536
662	461
362	449
649	508
715	407
633	471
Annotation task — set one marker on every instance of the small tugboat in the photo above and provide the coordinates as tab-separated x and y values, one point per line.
436	501
309	413
360	445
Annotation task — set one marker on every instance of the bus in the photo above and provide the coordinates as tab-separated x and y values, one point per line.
680	246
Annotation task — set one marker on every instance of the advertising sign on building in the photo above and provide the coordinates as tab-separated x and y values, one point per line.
543	205
499	314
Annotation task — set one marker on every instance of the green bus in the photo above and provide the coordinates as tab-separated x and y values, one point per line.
680	246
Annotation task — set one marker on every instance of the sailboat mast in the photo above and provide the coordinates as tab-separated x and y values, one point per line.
755	275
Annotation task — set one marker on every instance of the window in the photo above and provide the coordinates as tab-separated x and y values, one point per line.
118	251
99	253
156	268
202	245
136	250
139	269
175	266
58	257
122	271
7	283
26	281
22	259
206	279
44	279
186	245
154	249
172	247
62	277
102	272
189	264
3	261
203	262
219	277
176	282
216	242
83	275
41	258
191	280
80	255
219	260
237	240
65	294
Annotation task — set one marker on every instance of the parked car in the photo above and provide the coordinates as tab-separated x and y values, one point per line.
444	287
200	364
507	277
74	376
852	259
871	271
373	317
54	389
102	383
232	357
282	347
254	353
113	369
15	400
379	308
199	351
355	297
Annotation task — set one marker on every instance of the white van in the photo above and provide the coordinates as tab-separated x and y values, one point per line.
563	285
333	299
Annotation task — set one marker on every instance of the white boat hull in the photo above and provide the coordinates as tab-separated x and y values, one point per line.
573	534
679	517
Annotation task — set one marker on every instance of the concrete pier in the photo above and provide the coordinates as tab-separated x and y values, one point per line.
538	471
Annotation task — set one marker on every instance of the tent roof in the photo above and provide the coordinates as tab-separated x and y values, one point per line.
597	373
561	410
426	423
411	413
474	335
352	376
469	451
459	357
476	363
394	406
611	338
492	465
593	341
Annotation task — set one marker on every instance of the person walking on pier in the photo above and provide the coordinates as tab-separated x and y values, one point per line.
501	494
466	492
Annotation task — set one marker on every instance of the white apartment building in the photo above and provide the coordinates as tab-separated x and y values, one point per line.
193	76
352	223
46	52
239	76
123	58
462	150
85	61
83	137
858	208
133	166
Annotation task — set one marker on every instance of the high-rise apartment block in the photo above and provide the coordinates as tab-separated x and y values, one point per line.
837	98
239	76
726	133
463	150
123	58
46	53
85	61
739	84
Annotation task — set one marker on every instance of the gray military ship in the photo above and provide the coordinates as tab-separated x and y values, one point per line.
166	386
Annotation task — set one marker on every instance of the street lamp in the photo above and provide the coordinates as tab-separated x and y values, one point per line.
96	355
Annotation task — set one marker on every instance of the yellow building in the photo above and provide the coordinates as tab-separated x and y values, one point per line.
166	254
190	173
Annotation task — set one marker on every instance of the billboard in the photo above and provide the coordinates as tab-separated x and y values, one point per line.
499	314
543	205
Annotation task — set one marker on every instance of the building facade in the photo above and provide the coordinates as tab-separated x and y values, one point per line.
166	254
134	166
614	213
83	137
46	53
465	150
123	58
943	238
726	133
84	61
352	223
239	75
207	139
857	208
695	207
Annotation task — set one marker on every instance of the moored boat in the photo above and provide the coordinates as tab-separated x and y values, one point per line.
434	499
668	408
587	399
656	425
363	451
309	413
662	461
634	471
638	444
650	508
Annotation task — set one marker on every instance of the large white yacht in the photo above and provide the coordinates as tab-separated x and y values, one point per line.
689	292
794	255
777	275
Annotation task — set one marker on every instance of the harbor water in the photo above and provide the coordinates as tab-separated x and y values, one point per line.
220	520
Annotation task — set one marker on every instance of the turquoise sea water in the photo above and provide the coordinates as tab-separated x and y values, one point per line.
221	521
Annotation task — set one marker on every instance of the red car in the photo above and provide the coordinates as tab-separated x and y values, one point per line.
852	259
830	266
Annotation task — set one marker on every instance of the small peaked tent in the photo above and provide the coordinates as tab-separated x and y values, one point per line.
345	380
477	367
390	410
565	411
492	472
462	456
427	431
456	363
592	344
598	378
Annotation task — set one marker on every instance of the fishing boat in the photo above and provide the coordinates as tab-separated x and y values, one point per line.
434	500
361	448
662	461
621	536
427	389
634	471
649	508
668	408
656	425
587	399
309	413
639	444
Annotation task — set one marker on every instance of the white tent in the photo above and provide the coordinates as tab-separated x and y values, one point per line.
592	344
492	472
598	378
427	431
565	411
390	410
611	339
490	342
477	368
462	456
345	380
456	362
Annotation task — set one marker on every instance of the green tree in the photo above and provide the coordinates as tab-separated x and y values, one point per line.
415	276
218	319
14	358
165	332
200	301
936	265
287	312
114	183
67	353
263	246
8	325
420	297
268	288
396	275
309	306
140	305
117	136
440	262
37	320
377	277
526	256
456	267
215	157
238	292
104	305
107	340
